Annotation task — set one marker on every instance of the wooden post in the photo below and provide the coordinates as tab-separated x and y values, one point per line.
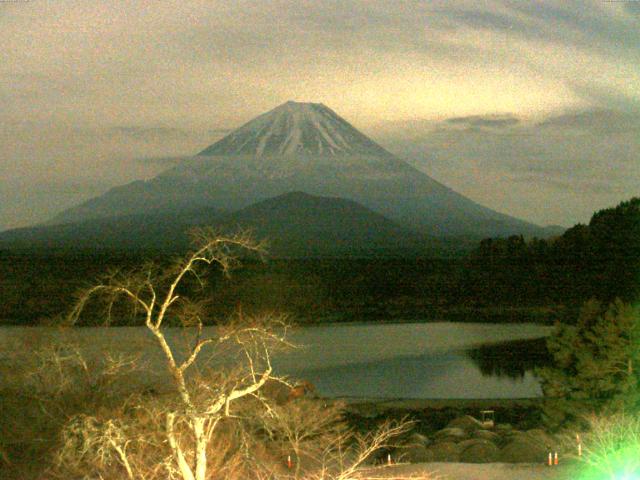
579	445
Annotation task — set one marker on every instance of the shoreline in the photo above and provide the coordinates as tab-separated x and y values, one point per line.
475	471
421	403
304	324
431	415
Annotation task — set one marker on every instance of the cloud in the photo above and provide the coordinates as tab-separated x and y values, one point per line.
492	121
237	59
162	162
595	120
89	88
622	99
161	134
556	170
632	7
584	186
594	25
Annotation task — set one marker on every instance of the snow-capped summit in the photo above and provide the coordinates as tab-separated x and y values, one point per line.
296	128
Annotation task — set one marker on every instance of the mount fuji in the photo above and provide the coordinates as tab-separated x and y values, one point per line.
303	147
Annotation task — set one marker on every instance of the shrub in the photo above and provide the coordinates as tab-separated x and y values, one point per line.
611	448
596	364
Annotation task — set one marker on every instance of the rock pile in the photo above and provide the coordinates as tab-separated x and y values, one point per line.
465	439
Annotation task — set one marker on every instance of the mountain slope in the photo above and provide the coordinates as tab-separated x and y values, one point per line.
294	225
305	147
127	232
295	128
298	224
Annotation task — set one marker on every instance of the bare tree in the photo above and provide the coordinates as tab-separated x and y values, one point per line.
159	297
305	428
200	430
362	448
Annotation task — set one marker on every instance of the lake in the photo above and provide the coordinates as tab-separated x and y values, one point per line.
403	360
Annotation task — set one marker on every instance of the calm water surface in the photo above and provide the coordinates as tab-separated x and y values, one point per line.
410	360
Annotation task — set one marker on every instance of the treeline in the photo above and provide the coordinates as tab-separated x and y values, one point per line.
39	288
599	260
36	288
504	280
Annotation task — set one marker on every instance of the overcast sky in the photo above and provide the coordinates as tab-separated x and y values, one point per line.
529	107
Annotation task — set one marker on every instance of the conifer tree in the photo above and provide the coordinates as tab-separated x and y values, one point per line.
596	364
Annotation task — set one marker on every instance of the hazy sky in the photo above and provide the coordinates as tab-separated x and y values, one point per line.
529	107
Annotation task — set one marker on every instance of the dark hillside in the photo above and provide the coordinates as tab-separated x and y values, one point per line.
295	225
600	260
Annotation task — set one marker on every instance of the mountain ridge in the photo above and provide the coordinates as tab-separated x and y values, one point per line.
305	147
294	224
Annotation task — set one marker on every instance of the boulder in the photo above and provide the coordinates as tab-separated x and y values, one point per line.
450	434
444	452
521	449
414	449
514	434
467	423
413	454
487	435
467	443
502	428
534	436
478	451
417	439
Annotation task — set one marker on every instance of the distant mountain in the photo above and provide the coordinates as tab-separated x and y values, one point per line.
304	147
126	232
294	225
298	224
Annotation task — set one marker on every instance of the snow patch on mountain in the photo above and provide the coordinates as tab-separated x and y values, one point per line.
296	128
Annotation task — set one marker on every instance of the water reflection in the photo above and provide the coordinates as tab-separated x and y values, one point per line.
512	359
416	360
